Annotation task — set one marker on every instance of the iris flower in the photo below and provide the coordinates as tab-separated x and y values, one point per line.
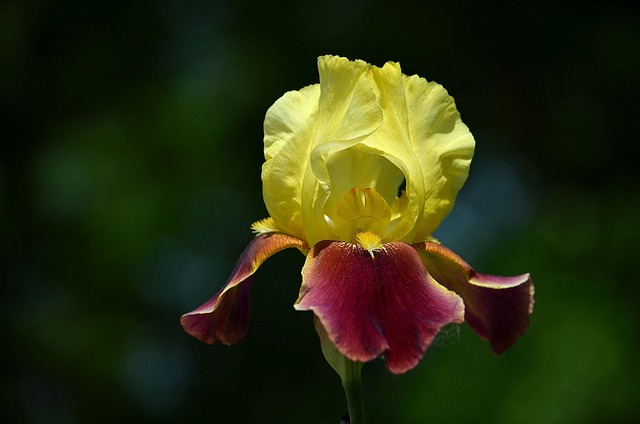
360	170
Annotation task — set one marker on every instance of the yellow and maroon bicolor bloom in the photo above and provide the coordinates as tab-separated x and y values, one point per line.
337	154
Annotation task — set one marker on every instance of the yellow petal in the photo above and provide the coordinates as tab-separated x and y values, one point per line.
425	138
303	129
289	130
348	107
348	113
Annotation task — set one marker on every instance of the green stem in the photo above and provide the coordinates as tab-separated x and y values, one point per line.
352	383
349	372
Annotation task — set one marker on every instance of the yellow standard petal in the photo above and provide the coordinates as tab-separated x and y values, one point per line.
425	138
302	130
289	130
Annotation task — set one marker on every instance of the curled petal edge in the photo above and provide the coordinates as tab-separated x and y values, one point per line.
497	308
226	316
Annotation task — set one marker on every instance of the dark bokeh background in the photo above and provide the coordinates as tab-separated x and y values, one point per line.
131	138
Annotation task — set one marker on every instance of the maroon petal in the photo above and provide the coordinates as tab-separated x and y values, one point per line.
226	316
376	303
497	308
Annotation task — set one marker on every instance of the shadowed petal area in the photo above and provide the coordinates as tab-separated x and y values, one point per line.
226	316
373	304
497	308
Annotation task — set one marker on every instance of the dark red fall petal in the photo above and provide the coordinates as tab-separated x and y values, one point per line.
497	308
226	316
385	304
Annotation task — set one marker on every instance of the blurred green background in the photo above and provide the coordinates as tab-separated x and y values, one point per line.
131	137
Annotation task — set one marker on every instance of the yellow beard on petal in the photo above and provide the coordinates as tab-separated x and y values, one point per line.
266	225
369	241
